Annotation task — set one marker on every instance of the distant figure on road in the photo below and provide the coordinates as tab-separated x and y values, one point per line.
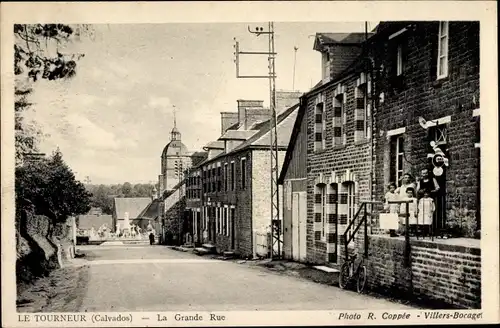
151	238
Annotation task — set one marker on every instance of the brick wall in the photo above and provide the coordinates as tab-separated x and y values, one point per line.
419	93
348	162
239	198
448	275
342	56
261	188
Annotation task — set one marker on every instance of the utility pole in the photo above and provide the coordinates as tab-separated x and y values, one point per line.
294	62
273	142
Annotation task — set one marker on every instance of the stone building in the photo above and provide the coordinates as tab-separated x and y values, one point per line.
427	90
327	167
236	177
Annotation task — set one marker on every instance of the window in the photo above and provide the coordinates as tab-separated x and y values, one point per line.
339	121
225	176
397	158
219	220
361	131
219	178
243	172
324	218
224	221
399	60
442	60
319	127
232	176
326	66
351	202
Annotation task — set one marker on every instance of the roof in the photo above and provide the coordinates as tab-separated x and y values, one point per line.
238	134
133	205
339	38
285	122
293	137
151	211
198	157
174	147
214	145
284	129
86	222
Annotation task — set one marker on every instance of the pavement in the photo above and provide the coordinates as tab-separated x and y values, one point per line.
159	278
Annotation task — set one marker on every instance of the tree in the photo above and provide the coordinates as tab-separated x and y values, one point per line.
50	188
39	54
126	189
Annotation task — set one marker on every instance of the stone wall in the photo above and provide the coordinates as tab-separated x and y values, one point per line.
448	275
36	254
418	93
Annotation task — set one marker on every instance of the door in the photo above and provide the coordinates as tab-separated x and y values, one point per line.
299	226
232	218
198	227
302	226
295	226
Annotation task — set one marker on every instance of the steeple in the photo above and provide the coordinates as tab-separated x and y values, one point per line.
175	134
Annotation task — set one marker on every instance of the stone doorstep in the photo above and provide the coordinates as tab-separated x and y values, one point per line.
201	251
326	275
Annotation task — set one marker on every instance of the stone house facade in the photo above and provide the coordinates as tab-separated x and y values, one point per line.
335	137
427	90
236	184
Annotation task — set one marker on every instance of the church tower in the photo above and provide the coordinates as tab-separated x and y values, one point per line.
175	159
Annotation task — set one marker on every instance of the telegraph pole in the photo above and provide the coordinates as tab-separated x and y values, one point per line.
273	142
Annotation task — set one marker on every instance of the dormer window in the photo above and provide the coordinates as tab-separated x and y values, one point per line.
326	66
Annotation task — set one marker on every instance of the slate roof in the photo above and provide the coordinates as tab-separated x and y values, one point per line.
339	38
86	222
215	144
151	211
285	124
133	205
238	134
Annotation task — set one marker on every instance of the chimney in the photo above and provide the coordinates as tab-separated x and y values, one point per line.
286	99
251	111
228	119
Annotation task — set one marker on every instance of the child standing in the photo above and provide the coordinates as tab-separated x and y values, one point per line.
412	210
425	212
391	208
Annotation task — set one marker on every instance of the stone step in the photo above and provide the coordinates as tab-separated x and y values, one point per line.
229	255
201	251
210	247
326	275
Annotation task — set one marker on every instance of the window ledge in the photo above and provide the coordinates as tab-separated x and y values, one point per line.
440	81
320	151
339	147
362	142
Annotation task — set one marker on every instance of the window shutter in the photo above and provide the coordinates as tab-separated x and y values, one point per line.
434	44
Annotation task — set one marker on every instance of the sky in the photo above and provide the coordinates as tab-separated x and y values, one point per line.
113	119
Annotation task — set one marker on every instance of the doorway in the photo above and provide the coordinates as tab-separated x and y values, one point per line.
299	225
232	219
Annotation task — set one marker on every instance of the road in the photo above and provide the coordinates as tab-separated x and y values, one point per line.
157	278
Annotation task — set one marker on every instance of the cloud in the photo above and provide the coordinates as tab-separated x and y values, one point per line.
90	134
162	103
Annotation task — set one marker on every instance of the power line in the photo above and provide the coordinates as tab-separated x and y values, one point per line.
273	142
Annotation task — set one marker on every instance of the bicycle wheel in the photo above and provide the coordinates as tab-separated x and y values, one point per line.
344	275
361	279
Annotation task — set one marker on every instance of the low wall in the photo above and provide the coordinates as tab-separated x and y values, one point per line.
36	254
447	275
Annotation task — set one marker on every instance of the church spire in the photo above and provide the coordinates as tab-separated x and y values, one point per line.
175	134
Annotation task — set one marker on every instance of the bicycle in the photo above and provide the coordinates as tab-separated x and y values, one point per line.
348	272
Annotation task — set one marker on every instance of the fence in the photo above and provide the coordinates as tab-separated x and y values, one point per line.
426	218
